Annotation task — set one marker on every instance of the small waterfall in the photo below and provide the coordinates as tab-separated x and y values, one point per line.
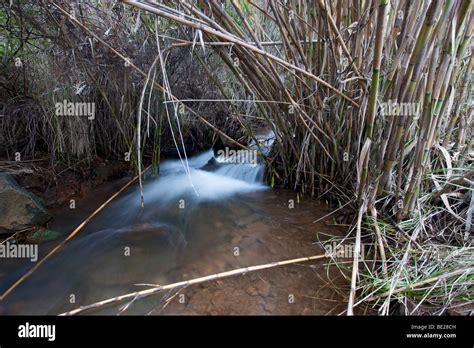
209	177
240	164
252	173
246	165
197	185
177	166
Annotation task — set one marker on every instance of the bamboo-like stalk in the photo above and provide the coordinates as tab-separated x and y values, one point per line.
338	35
405	94
374	86
355	262
238	42
380	241
158	288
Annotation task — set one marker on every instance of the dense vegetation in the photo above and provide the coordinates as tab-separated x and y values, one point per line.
370	102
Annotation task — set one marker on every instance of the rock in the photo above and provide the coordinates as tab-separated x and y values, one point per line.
236	239
212	165
264	289
18	207
270	306
252	291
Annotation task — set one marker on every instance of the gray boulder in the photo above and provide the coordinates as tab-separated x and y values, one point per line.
18	207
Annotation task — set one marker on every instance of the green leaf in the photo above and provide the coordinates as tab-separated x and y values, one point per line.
45	235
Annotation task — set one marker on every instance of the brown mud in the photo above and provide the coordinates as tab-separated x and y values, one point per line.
57	184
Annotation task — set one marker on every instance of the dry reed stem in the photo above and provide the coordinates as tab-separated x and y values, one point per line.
158	288
355	262
238	42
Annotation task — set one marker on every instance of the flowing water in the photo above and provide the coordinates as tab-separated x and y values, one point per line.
203	215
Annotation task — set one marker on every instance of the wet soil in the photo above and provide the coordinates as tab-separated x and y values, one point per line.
57	184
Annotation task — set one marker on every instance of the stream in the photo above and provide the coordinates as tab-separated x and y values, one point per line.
204	215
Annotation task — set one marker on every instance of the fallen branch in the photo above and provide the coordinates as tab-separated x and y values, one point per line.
158	288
